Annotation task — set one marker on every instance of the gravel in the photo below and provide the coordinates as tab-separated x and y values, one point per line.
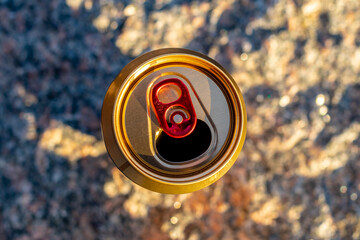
296	62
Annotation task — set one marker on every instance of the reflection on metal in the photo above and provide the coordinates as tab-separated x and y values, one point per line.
132	132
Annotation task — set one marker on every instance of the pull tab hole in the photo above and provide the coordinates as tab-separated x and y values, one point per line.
174	114
169	93
178	118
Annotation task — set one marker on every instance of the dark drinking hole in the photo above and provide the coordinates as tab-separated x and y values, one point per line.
186	148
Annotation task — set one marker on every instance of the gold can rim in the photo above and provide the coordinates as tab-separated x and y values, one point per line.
119	148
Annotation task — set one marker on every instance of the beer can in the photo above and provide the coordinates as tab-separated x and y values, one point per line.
173	121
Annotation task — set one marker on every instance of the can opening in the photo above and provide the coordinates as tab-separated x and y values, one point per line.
186	148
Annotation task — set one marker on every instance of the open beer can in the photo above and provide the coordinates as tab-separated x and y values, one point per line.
173	121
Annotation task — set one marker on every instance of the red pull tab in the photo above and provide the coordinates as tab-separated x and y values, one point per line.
173	108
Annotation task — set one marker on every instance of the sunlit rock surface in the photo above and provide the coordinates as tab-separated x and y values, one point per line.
296	62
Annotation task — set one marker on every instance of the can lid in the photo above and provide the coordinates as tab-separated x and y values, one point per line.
174	121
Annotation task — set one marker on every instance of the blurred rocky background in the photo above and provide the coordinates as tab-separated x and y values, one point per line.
296	61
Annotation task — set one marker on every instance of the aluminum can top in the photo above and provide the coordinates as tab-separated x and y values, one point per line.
173	121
